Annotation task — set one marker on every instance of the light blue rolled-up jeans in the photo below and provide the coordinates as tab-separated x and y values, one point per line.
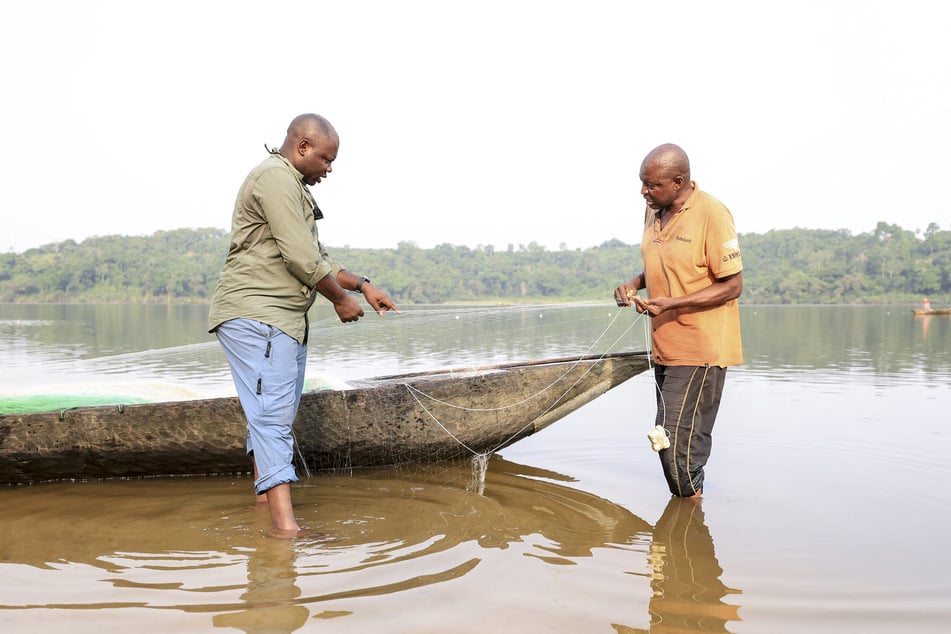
267	366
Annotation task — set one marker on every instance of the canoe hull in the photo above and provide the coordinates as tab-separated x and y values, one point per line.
931	311
421	417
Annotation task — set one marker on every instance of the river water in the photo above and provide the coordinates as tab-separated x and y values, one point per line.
826	504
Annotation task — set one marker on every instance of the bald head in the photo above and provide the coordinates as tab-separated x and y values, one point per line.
665	178
311	127
311	146
669	160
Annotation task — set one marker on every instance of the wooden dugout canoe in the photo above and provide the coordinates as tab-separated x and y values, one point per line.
931	311
388	420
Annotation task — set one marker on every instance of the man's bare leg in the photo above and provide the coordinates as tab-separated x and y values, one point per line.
259	498
283	522
277	501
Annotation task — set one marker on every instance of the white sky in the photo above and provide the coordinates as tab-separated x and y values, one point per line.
473	123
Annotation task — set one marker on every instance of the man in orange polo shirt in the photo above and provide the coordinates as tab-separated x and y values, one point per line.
693	274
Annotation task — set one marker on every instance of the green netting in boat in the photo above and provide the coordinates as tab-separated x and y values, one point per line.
56	402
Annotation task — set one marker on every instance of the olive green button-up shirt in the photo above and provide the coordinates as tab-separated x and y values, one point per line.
275	258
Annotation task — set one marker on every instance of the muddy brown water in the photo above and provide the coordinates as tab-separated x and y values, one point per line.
826	507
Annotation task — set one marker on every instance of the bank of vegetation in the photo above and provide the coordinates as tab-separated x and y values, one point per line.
886	265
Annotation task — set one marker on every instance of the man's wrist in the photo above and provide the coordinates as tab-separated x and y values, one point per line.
360	282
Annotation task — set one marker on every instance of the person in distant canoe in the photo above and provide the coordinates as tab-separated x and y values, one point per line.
693	273
275	268
926	304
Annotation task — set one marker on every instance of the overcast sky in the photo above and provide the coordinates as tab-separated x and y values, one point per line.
473	123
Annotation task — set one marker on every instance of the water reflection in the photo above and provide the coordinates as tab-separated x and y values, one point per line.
132	349
166	349
925	322
871	341
440	507
860	393
199	547
687	593
271	598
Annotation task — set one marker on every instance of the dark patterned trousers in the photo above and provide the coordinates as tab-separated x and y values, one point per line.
688	398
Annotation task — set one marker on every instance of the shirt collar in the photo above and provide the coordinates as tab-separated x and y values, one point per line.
318	214
687	203
277	153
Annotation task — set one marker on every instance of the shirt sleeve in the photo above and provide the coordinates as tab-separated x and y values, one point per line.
723	245
291	224
326	265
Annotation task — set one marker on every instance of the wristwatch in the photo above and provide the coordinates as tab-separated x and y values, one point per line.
360	282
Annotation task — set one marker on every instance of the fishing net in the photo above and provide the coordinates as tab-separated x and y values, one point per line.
341	356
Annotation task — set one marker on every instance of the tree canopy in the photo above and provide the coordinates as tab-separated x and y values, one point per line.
886	265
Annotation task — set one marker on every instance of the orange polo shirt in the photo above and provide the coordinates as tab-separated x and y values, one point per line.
697	246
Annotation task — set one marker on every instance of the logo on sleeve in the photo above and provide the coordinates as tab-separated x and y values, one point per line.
733	246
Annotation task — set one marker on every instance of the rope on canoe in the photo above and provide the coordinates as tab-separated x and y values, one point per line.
62	413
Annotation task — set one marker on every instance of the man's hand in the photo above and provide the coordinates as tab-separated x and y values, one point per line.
716	294
655	306
625	295
348	308
378	300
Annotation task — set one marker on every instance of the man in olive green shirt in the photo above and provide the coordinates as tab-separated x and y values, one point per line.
275	267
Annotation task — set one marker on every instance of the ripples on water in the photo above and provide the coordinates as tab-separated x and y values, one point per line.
826	507
401	539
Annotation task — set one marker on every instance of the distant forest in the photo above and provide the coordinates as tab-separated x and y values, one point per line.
889	265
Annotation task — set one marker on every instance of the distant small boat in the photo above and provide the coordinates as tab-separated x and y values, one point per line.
931	311
390	420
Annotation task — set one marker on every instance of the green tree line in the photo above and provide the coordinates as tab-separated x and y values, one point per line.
886	265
